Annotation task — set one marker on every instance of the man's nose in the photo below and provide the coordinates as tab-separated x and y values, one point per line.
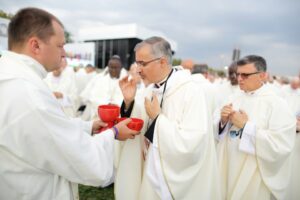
63	52
138	69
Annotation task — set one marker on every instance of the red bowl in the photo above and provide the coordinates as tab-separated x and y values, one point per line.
135	124
108	113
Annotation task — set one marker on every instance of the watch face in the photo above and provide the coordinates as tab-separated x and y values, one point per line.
3	30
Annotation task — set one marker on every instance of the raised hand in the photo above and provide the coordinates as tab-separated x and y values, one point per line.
225	112
128	88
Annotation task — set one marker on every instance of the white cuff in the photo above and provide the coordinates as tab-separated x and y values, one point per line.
87	126
247	143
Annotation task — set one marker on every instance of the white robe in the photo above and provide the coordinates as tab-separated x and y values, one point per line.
82	78
65	84
181	162
292	97
224	91
210	91
44	153
258	166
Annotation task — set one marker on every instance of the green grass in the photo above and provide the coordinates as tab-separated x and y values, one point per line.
94	193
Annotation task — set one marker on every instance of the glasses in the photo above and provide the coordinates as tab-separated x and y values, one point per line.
145	63
245	75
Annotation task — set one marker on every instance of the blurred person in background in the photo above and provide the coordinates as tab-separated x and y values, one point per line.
200	74
187	64
103	89
64	89
292	96
83	76
228	88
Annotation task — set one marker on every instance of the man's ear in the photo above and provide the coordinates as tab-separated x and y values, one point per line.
263	76
34	45
164	61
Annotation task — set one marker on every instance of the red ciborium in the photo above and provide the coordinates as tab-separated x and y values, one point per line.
108	114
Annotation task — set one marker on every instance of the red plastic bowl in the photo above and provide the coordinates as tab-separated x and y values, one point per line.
108	113
135	124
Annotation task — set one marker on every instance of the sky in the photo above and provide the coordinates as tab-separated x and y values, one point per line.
206	31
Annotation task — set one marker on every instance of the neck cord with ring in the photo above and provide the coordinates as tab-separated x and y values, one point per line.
165	86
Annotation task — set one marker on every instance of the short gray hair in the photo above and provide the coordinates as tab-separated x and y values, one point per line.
258	61
159	47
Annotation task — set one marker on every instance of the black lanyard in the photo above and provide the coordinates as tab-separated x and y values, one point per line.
165	86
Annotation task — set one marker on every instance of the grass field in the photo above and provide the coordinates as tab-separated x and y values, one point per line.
94	193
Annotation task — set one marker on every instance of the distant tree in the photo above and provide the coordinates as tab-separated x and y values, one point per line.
68	37
176	61
5	15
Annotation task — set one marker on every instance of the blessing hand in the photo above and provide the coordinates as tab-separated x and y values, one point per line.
128	88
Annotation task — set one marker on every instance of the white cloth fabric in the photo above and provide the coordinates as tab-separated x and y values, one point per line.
65	84
292	97
185	149
44	153
267	172
295	192
210	91
224	91
82	78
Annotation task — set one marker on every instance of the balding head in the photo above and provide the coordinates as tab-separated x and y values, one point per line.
187	64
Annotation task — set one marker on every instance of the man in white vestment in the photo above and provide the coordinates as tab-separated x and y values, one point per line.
292	96
43	153
104	89
175	158
200	75
83	76
64	88
229	87
256	138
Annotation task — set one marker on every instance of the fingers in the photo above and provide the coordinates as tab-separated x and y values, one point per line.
135	132
102	124
132	81
147	104
154	98
126	121
123	80
132	136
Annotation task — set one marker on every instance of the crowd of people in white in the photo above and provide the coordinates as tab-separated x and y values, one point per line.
77	87
80	90
204	137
